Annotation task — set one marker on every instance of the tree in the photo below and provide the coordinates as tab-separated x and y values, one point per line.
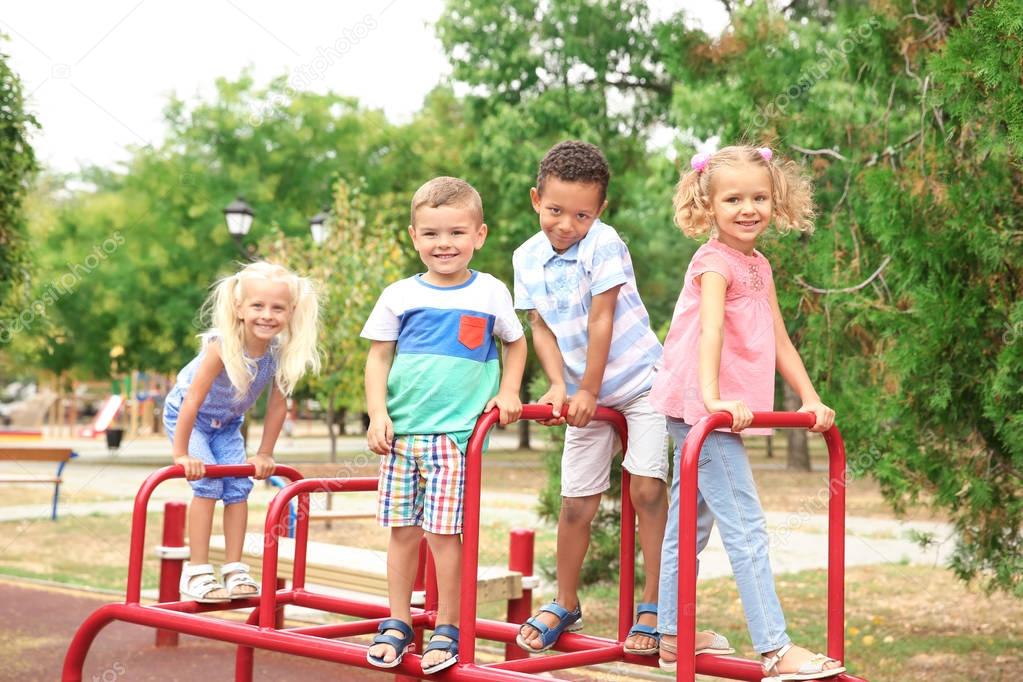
164	209
17	169
904	302
361	255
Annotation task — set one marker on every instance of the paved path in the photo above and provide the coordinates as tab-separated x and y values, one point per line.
798	540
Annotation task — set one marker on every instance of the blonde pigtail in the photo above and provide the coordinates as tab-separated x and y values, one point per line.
793	197
298	352
230	333
692	210
792	190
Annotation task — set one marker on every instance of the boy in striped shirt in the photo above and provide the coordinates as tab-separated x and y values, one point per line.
592	336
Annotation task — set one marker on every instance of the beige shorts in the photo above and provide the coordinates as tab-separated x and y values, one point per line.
586	461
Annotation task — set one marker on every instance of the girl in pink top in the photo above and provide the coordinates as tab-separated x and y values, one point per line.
726	339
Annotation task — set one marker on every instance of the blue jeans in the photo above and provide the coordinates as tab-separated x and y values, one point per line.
727	495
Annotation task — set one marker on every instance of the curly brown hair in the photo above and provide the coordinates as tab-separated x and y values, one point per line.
575	161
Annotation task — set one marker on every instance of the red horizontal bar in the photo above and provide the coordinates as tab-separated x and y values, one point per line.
540	664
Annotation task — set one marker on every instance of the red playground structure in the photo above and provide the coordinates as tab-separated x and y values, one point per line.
265	629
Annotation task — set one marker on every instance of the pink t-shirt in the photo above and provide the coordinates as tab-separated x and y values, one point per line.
747	349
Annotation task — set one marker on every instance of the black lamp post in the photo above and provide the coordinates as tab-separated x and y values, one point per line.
239	216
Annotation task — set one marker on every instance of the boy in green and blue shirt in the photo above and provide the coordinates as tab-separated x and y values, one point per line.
432	369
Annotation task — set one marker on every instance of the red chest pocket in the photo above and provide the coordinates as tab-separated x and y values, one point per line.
471	331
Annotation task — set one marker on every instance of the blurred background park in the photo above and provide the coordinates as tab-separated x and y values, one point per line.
146	149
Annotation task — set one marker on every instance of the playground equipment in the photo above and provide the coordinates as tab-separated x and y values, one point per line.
111	406
265	630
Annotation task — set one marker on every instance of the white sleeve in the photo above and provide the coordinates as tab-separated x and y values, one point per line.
383	323
607	268
522	299
507	326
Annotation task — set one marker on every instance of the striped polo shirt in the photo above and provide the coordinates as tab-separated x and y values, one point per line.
445	366
561	286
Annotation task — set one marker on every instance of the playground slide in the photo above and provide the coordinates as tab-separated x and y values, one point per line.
104	417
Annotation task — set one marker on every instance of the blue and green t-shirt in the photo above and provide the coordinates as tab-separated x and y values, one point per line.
446	366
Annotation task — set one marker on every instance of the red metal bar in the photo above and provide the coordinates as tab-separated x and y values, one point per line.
133	589
542	664
521	543
471	513
317	642
272	531
626	557
836	543
686	670
244	657
170	569
248	635
301	541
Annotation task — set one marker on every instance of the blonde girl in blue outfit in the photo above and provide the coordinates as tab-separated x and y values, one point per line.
264	332
726	341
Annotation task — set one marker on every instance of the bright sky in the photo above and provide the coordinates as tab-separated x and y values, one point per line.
98	74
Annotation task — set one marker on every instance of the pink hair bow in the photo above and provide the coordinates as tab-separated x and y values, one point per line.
766	153
699	161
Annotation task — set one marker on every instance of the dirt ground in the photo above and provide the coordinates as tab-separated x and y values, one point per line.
40	622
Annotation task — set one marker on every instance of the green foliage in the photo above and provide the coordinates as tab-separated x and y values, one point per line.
906	303
911	119
281	149
361	255
17	169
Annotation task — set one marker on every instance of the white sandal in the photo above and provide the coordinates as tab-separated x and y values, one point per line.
236	574
198	581
811	670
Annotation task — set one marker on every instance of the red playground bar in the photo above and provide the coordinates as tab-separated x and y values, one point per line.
264	629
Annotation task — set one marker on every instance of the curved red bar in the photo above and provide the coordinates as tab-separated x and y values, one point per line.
138	518
471	514
686	671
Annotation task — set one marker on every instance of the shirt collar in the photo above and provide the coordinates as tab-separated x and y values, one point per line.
547	252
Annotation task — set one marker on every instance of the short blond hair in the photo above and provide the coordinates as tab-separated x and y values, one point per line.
791	188
447	191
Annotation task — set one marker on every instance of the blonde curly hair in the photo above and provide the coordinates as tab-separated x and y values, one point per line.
792	191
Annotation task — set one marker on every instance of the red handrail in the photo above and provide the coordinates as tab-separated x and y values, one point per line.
133	589
686	670
471	520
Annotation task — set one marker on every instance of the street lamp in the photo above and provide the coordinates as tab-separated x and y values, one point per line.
239	216
317	225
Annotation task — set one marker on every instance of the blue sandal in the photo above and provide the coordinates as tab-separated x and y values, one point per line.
640	629
449	645
401	646
568	621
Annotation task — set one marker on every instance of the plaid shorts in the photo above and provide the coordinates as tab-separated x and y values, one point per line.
421	484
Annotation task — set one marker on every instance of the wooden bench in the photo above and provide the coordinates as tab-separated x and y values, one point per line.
19	454
10	435
360	570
